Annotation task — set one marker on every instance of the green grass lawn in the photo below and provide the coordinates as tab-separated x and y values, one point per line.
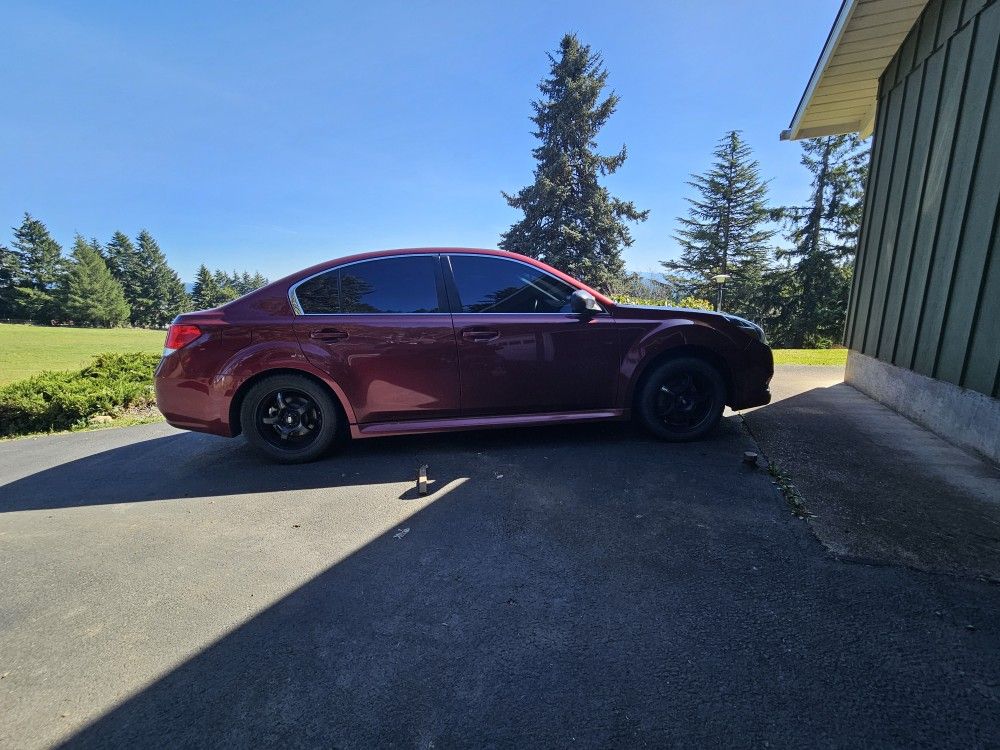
810	357
26	349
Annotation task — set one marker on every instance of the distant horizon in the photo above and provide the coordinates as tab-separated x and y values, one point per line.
270	139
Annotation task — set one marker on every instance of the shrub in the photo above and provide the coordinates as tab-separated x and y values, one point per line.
51	401
695	303
628	299
817	341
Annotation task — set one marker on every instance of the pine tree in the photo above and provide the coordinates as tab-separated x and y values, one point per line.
160	295
124	263
10	279
258	280
91	295
41	264
570	220
812	301
178	300
204	288
726	230
211	289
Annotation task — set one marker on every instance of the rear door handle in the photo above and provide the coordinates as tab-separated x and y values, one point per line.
328	334
480	334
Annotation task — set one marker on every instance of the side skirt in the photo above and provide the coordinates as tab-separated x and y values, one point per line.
415	427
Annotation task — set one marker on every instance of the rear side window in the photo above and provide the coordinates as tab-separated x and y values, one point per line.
489	284
386	285
321	294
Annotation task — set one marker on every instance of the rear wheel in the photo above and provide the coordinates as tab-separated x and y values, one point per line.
682	399
289	418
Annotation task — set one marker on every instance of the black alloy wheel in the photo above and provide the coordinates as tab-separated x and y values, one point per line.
289	418
681	399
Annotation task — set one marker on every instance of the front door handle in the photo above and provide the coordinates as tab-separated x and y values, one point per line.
480	334
328	334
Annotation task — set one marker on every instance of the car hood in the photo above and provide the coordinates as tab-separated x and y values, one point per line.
658	312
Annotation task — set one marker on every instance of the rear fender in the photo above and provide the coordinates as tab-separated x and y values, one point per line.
258	359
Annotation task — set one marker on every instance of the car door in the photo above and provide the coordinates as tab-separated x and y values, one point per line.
521	349
382	330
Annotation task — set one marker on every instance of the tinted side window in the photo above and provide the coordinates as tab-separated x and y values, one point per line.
494	285
321	294
390	285
387	285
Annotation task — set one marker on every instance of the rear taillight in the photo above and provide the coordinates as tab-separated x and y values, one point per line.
180	335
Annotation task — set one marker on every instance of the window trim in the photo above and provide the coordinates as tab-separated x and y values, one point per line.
455	300
443	300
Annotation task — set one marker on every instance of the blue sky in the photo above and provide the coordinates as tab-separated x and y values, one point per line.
272	136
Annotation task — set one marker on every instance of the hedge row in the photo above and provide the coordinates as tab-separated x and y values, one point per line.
49	401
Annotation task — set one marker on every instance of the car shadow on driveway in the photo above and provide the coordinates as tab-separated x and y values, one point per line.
190	465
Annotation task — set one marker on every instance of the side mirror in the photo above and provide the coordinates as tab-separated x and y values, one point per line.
583	303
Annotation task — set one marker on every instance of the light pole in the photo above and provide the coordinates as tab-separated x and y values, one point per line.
721	280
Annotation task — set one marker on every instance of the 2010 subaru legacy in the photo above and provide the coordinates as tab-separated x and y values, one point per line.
425	340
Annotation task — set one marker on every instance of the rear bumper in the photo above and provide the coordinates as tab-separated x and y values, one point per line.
190	403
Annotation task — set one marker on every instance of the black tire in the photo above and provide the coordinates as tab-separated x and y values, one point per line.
290	419
681	399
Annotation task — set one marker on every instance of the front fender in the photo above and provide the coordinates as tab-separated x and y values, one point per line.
653	342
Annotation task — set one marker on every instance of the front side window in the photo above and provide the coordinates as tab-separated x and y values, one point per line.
384	285
487	284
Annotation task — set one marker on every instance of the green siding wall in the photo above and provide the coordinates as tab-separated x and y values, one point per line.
926	292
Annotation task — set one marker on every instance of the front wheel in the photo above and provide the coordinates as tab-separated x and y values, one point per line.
289	418
682	399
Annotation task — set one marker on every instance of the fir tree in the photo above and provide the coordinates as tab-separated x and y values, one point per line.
570	219
726	231
211	289
160	295
39	258
258	280
124	263
91	295
243	282
812	292
10	279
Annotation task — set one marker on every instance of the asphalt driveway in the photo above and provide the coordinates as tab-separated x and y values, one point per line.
571	586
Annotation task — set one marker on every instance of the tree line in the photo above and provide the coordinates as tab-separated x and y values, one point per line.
121	282
798	290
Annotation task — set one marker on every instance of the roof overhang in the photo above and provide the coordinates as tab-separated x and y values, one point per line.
843	91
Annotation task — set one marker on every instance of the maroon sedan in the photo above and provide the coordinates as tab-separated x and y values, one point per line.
409	341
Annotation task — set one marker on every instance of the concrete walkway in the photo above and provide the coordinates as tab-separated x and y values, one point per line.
879	487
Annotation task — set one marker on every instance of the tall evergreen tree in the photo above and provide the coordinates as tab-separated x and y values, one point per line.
91	295
812	292
41	267
160	295
726	230
211	289
10	279
570	219
124	263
